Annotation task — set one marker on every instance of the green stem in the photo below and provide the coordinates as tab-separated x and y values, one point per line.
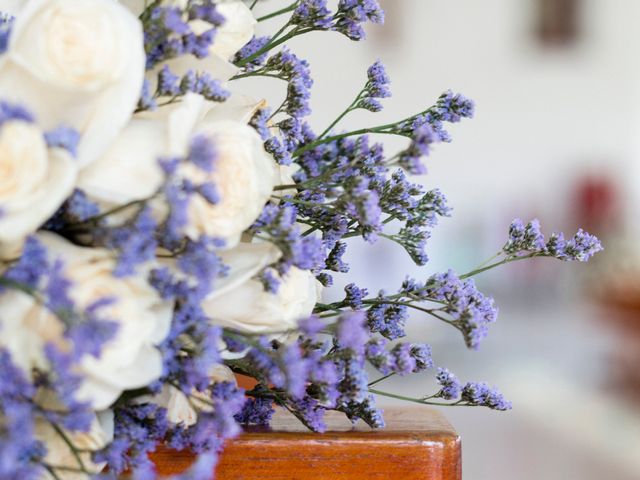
428	311
278	12
274	42
414	400
70	444
52	472
342	115
497	264
383	129
380	129
120	208
381	379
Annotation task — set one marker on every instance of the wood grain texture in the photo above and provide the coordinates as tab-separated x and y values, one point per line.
417	444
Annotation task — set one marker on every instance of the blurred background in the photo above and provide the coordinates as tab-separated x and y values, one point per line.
556	136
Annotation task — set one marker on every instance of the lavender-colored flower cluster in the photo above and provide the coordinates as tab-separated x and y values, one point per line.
169	34
528	240
6	23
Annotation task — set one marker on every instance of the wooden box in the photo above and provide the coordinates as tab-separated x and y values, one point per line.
417	444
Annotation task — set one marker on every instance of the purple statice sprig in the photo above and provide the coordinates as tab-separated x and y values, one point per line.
526	241
6	25
444	296
314	15
14	112
471	394
423	129
277	224
311	375
168	33
368	98
171	88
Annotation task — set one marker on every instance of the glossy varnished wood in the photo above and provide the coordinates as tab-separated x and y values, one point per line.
417	444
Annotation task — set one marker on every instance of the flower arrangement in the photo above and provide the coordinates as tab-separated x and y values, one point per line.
161	231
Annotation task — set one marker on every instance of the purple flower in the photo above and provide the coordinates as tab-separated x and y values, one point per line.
354	296
410	159
256	411
480	394
13	112
136	243
312	14
63	137
387	318
352	14
471	311
147	100
450	387
6	24
254	46
202	153
30	268
529	239
581	247
168	82
351	332
377	87
296	72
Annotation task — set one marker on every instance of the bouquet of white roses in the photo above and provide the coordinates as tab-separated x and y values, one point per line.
161	231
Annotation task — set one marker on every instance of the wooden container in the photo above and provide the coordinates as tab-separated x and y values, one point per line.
417	444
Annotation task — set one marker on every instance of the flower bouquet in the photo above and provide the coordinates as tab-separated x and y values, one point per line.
160	232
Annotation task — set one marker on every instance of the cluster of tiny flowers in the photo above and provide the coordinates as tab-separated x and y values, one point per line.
168	34
295	71
279	223
481	395
313	375
60	137
471	312
21	454
529	240
352	14
450	387
6	23
250	50
13	112
348	19
202	83
377	87
402	359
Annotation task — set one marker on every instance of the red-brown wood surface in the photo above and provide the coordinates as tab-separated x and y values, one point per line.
417	444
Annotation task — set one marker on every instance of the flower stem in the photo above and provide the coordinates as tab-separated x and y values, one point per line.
497	264
414	400
277	12
381	379
274	42
350	108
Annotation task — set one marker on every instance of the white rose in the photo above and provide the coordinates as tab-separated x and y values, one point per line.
129	360
180	409
244	173
241	302
34	181
60	454
76	62
236	30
